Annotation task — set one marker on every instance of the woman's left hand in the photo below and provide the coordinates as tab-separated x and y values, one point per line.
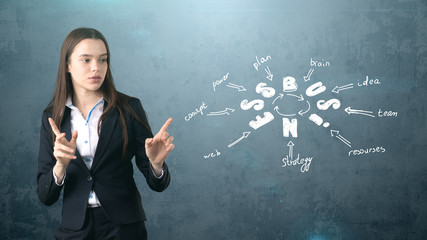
159	147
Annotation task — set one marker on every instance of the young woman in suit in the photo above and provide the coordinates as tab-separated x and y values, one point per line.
89	134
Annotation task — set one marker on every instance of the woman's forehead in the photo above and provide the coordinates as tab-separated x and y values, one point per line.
90	47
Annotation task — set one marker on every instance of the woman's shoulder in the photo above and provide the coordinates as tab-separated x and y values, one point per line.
132	101
48	111
49	108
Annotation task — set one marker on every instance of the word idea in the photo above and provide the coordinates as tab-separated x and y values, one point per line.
368	82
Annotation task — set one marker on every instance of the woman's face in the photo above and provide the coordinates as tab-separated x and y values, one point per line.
88	65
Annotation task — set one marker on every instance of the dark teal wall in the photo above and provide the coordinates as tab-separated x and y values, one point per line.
226	186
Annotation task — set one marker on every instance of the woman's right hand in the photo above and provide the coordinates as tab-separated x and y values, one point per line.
63	150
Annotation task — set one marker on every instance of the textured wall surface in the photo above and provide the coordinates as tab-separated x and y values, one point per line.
292	119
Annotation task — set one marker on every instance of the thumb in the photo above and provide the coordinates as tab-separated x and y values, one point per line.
74	137
148	141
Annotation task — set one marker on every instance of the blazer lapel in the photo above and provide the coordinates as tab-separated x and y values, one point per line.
66	127
107	128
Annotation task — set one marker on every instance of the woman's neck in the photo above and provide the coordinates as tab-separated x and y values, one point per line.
85	102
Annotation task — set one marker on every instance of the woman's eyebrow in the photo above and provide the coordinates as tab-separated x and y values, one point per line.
89	55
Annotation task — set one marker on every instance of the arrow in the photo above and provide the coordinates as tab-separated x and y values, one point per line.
280	96
345	87
307	78
276	108
291	149
361	112
270	76
232	85
226	111
302	113
335	133
245	135
300	97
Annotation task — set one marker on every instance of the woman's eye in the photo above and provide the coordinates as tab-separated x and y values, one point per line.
103	60
85	60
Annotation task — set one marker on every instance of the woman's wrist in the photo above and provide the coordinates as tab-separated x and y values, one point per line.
59	171
157	168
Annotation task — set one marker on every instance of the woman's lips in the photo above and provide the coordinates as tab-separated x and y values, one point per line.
95	79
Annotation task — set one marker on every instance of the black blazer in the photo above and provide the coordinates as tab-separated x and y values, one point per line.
111	177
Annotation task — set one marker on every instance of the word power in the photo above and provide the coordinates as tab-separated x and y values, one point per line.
218	82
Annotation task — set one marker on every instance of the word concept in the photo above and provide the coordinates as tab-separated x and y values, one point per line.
196	112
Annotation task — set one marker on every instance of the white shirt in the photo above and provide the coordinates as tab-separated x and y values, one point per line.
87	139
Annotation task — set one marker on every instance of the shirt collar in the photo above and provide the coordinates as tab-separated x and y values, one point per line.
69	102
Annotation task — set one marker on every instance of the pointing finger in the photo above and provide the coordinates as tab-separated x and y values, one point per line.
74	138
166	125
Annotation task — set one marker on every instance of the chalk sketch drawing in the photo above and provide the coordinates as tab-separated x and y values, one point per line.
290	92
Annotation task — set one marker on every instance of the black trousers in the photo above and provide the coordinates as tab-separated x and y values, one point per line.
97	226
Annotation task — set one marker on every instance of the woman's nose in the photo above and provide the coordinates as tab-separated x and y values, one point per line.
94	66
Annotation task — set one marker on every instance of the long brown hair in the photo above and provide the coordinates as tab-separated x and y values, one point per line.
64	86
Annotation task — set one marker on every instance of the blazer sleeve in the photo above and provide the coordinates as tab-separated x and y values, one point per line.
142	161
48	191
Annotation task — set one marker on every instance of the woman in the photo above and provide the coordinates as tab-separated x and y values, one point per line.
89	134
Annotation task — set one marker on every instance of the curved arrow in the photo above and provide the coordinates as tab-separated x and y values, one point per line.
302	113
276	108
280	96
300	97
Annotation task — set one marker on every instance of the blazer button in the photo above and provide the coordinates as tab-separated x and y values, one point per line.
89	178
